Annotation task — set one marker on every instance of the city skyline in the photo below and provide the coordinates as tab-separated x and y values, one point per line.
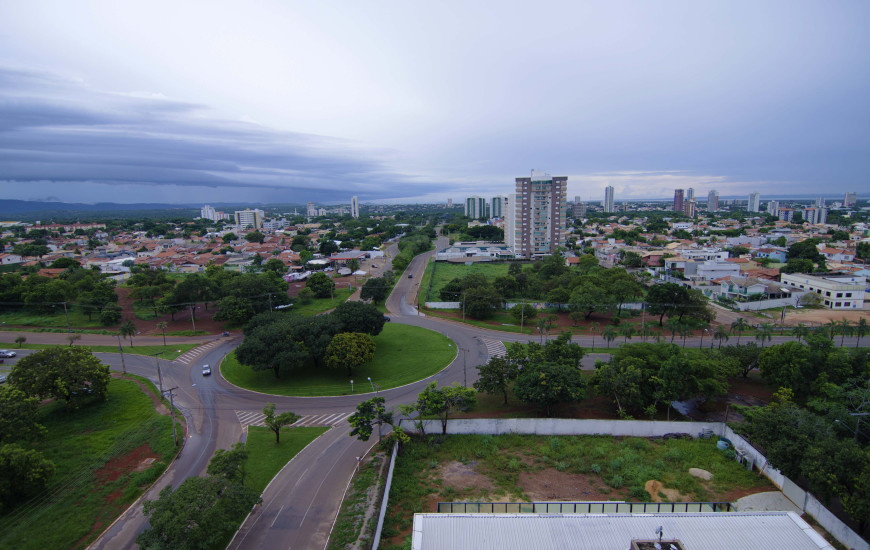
93	109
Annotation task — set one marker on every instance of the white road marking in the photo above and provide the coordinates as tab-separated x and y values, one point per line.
255	418
494	348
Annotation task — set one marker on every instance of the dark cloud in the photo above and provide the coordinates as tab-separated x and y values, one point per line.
54	130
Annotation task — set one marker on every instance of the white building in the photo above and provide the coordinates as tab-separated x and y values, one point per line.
713	201
499	206
815	215
354	207
773	208
311	210
208	213
754	202
608	199
850	199
536	221
249	218
475	207
838	290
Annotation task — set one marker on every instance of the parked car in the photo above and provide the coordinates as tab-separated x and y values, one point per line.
375	266
7	353
2	378
206	370
410	276
387	319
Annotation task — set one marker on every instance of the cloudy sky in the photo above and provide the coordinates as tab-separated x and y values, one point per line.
283	101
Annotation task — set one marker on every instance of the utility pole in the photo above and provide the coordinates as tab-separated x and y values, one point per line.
270	303
465	367
172	412
192	320
121	349
65	314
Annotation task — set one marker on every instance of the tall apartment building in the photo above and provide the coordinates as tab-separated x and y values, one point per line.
690	194
713	201
785	214
820	202
498	206
678	200
208	213
754	204
850	199
536	220
249	218
815	215
311	210
354	207
690	208
773	208
579	210
608	199
475	207
450	203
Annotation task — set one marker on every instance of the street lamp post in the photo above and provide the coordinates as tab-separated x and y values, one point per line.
351	386
121	349
377	389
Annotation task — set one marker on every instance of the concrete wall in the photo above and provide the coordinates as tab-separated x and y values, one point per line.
385	500
644	428
767	304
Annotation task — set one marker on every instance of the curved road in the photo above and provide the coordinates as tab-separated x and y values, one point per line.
301	503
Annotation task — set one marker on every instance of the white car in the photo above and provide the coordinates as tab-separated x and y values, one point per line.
206	370
6	353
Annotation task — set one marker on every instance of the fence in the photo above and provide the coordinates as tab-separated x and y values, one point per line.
383	512
582	507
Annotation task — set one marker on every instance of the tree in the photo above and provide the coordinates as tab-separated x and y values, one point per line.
375	289
627	332
764	333
321	285
747	357
739	326
624	382
271	346
18	416
229	463
255	237
369	413
111	314
23	474
665	299
234	310
800	331
846	329
350	350
73	338
275	265
70	374
523	312
275	423
306	295
359	317
609	335
547	384
229	237
442	402
496	376
545	324
481	301
353	265
128	330
590	296
328	247
860	330
20	339
202	513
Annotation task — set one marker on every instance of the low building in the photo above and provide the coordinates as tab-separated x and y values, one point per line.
838	290
474	252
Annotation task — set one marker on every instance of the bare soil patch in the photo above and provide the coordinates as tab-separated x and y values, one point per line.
121	465
656	489
822	316
464	476
550	484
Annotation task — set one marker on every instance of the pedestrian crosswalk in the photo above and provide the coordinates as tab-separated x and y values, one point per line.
192	354
494	348
255	418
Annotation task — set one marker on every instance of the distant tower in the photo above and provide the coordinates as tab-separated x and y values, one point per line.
690	194
311	210
773	208
754	202
498	206
608	199
354	207
849	199
820	202
537	216
678	200
475	207
450	203
713	201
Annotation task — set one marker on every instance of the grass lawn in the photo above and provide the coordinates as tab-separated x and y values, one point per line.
444	272
320	305
94	451
425	284
404	355
170	352
77	319
265	459
519	467
143	311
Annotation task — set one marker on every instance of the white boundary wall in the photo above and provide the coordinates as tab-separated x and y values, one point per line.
643	428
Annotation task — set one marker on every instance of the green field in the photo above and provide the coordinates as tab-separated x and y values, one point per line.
265	459
77	319
404	355
444	272
86	493
320	305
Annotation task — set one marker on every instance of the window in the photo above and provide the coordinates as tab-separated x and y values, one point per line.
839	295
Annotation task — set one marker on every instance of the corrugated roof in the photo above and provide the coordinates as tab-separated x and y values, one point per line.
715	531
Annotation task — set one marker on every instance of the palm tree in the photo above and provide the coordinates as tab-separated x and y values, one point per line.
162	326
721	333
845	330
645	331
860	330
609	335
800	331
764	333
832	328
627	332
704	327
128	329
739	325
674	326
685	330
593	328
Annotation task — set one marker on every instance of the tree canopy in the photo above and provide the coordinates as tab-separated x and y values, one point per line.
71	374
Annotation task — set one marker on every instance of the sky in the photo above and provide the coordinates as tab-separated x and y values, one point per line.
394	101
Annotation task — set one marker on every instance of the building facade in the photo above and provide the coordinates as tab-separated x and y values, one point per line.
678	200
475	207
354	207
498	206
850	199
773	208
208	213
754	204
537	220
815	215
608	199
837	291
713	201
249	218
310	210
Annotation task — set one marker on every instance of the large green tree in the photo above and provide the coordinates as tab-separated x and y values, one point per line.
496	376
23	474
547	384
350	350
18	416
369	413
70	374
321	285
276	422
229	463
359	317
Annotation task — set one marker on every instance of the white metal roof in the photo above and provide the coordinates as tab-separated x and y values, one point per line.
714	531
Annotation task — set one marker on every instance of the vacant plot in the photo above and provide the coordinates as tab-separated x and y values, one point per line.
444	272
513	468
105	454
404	355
